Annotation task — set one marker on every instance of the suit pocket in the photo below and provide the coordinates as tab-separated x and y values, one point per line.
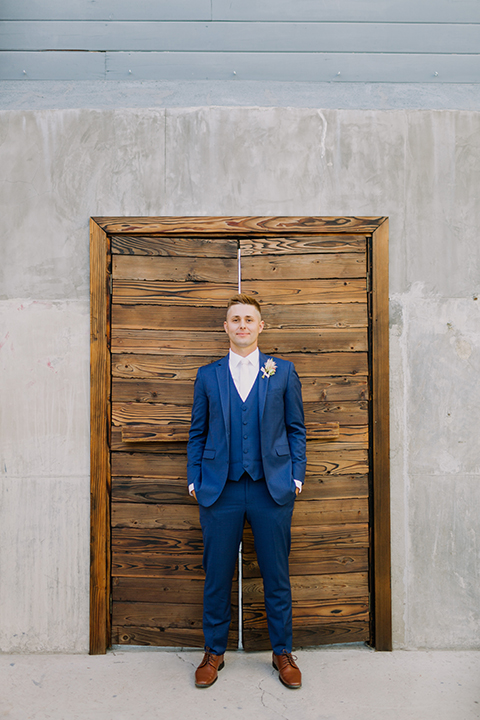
282	449
209	454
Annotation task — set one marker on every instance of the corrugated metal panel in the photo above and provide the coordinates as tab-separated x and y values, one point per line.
292	67
105	10
442	11
306	40
240	37
52	65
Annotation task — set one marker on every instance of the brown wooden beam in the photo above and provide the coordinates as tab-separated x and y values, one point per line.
380	442
100	626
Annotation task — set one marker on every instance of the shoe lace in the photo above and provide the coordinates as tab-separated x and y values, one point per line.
289	657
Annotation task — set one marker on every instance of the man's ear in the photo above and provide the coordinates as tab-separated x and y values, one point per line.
262	325
225	325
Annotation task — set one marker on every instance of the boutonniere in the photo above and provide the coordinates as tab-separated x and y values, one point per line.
269	369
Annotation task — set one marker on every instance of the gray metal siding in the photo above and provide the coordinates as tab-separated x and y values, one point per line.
306	40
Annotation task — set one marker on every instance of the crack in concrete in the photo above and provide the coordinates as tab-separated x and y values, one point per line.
181	656
277	699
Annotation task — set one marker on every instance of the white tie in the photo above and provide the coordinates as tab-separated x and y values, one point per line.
243	379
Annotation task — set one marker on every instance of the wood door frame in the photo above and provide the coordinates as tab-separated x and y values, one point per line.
100	394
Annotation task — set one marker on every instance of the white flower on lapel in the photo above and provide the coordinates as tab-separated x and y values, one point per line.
269	369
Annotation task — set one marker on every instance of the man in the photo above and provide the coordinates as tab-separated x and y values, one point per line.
246	461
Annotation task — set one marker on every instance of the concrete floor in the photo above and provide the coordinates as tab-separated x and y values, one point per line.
339	683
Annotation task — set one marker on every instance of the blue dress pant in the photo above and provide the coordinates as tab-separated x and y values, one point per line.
222	527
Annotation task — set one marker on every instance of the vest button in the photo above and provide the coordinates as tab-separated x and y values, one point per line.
245	451
245	437
244	409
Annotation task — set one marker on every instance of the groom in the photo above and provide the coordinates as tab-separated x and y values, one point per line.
246	461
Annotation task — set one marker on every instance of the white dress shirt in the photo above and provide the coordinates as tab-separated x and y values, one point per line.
250	365
250	368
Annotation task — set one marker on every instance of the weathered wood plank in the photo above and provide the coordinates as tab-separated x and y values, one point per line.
310	613
149	465
328	389
158	615
288	292
348	560
354	437
254	267
151	490
183	367
165	293
171	317
148	390
343	510
172	490
167	637
239	225
313	587
158	565
320	537
337	462
156	516
174	269
333	486
166	367
347	413
169	448
223	247
175	542
314	244
154	433
127	589
303	267
310	636
188	542
178	246
194	343
336	364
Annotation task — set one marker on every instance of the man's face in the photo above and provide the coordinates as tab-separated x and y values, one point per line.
243	326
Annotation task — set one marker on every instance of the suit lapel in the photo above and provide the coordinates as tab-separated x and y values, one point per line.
262	384
223	380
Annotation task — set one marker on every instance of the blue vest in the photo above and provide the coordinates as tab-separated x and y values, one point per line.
245	448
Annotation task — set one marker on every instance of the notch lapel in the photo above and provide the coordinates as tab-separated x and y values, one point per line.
223	380
262	383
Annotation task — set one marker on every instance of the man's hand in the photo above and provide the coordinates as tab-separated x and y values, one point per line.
194	494
297	490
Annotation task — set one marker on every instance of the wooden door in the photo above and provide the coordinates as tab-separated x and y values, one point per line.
314	303
168	299
170	279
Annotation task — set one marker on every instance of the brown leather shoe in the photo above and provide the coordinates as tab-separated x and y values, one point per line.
288	671
207	672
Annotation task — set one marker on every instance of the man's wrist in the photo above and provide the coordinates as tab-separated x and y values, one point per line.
191	488
298	484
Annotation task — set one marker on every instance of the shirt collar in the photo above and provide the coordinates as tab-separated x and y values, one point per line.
235	359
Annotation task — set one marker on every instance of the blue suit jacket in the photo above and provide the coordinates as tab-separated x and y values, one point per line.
282	428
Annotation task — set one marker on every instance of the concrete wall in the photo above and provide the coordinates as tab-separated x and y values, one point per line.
419	167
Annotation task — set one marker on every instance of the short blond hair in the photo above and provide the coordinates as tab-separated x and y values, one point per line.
244	299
